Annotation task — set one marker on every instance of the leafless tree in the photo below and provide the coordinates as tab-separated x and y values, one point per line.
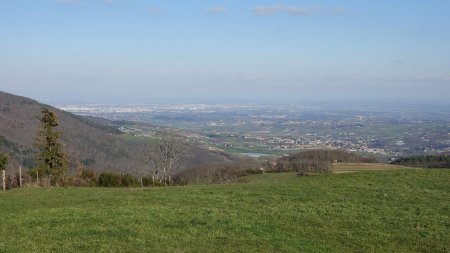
160	159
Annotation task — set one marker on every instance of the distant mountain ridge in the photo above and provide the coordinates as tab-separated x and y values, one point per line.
95	143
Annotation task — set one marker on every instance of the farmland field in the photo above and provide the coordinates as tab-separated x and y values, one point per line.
354	167
402	210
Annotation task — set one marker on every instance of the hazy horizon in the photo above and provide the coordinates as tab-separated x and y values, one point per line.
289	52
55	100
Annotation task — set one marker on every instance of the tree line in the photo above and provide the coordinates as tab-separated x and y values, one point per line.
317	161
426	161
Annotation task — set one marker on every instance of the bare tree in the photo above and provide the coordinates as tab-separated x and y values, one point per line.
161	158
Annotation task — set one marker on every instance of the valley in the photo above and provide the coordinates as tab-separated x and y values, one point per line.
224	126
284	129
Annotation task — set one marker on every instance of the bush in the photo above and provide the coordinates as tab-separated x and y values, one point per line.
149	181
83	177
110	179
129	181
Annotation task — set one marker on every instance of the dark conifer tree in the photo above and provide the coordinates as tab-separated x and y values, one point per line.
3	161
51	159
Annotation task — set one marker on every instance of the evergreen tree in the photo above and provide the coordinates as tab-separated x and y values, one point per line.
3	161
51	159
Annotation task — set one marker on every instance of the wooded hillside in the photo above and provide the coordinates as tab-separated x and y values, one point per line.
96	143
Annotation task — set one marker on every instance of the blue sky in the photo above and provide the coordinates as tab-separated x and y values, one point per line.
136	51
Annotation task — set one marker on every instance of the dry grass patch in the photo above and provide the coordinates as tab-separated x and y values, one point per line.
354	167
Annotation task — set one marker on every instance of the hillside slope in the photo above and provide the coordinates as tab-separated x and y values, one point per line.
97	145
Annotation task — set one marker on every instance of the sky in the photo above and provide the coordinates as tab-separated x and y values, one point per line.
149	51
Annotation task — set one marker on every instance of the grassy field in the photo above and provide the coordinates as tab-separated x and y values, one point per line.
370	211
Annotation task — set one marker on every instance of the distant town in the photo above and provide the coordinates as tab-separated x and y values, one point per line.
275	130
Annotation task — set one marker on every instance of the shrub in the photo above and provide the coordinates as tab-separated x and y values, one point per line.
83	177
110	179
128	181
149	181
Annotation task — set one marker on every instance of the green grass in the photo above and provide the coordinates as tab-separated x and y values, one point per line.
370	211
